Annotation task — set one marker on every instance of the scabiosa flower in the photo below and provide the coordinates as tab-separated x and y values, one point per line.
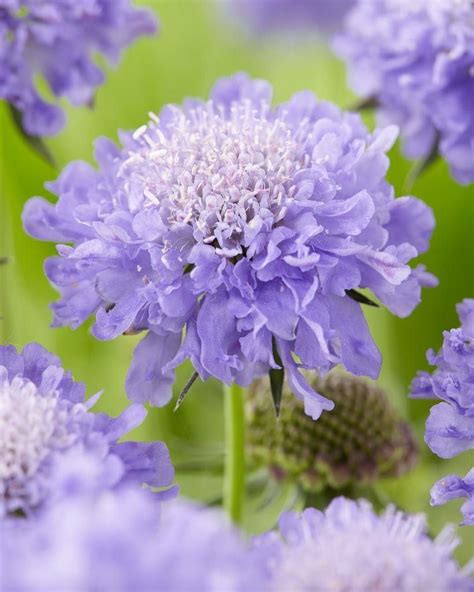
291	15
417	59
233	233
450	425
58	41
124	541
46	426
349	547
361	440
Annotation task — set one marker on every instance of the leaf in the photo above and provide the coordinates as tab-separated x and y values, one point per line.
277	378
361	298
365	104
34	142
185	390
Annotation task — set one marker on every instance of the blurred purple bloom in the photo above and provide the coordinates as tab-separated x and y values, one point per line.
58	41
291	15
124	541
51	446
450	426
417	59
349	547
242	226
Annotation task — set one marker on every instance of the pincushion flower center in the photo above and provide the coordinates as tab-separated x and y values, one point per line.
221	173
31	425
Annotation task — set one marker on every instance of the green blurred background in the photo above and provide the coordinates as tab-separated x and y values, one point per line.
197	45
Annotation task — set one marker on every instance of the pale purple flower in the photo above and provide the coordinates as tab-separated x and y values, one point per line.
231	231
51	445
124	541
450	425
280	16
58	41
349	548
416	57
454	487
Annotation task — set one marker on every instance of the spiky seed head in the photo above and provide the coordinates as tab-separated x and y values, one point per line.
362	439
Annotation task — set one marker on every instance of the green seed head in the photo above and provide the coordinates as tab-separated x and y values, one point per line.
362	439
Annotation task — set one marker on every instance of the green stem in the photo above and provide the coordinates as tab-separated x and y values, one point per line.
234	470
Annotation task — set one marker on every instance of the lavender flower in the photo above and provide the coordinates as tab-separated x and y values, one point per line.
58	40
289	15
450	426
124	541
51	445
417	58
349	547
246	227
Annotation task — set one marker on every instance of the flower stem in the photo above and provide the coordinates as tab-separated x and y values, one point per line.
234	470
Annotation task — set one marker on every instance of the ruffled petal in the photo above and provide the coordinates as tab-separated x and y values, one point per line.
147	380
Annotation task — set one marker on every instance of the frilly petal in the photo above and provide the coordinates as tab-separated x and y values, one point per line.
147	380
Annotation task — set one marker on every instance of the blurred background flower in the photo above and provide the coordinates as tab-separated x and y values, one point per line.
197	47
349	547
287	17
123	541
57	42
415	60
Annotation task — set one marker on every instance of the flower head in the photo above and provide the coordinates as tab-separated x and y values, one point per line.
58	40
52	445
362	439
420	68
450	425
124	541
349	547
291	15
243	227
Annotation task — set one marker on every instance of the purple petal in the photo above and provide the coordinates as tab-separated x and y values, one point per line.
314	403
240	86
146	462
447	432
146	379
411	221
120	318
349	216
218	336
358	352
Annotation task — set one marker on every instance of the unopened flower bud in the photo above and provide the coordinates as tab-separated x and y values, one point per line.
362	439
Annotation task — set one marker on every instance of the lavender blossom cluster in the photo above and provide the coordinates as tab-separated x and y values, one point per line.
416	58
349	547
51	444
58	41
73	512
324	16
235	233
124	541
450	425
